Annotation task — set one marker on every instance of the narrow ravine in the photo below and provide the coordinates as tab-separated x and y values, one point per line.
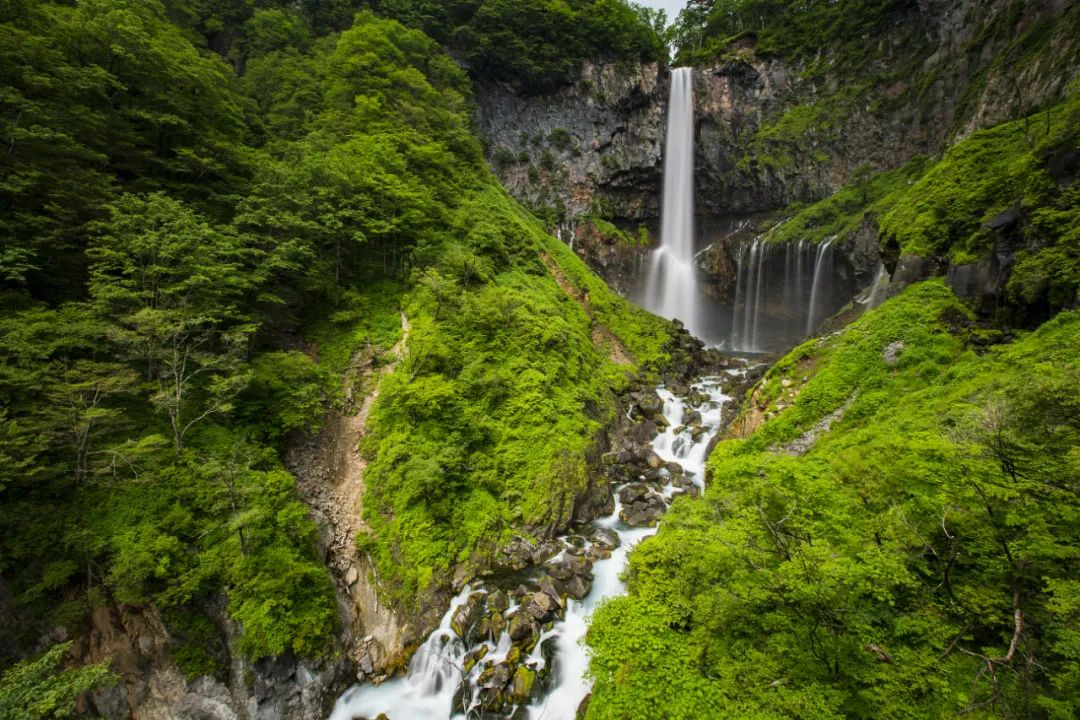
514	646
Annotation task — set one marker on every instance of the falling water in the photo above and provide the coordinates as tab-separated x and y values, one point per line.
875	294
767	316
817	288
672	286
439	686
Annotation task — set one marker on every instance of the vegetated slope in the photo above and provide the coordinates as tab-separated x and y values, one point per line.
897	539
190	259
1006	198
802	98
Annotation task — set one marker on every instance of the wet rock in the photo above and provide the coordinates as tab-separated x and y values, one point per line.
522	684
466	615
571	566
552	588
606	538
651	406
516	555
686	486
475	656
674	469
577	587
654	461
498	601
641	507
545	551
583	708
522	628
540	606
634	493
498	624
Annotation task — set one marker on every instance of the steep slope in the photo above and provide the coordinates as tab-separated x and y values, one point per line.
894	539
187	298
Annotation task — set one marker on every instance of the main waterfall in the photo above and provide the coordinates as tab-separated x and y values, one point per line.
672	286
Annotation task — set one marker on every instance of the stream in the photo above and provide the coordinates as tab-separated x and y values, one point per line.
514	647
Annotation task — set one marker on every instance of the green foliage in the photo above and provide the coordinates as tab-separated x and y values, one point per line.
881	573
789	28
536	44
484	426
843	212
39	689
1012	165
195	266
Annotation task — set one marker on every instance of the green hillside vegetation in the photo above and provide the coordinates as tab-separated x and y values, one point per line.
916	561
190	258
942	208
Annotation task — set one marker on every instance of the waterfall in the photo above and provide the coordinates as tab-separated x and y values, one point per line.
820	265
672	287
875	294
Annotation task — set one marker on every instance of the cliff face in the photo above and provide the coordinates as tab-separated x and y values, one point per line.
595	146
773	132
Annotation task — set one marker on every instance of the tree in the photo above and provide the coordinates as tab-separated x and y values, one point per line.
38	689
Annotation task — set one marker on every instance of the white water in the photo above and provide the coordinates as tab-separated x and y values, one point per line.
814	311
878	290
672	286
436	672
427	691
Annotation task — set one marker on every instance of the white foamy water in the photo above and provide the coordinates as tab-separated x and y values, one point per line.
671	285
436	673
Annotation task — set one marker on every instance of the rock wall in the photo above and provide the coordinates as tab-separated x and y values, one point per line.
153	687
771	132
595	146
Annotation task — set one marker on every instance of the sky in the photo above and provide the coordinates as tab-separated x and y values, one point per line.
673	7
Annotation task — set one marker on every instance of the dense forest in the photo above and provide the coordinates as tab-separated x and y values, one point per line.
207	210
225	223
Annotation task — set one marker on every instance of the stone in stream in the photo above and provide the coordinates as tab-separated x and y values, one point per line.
523	628
475	656
685	486
522	684
651	406
654	461
641	506
498	624
606	538
540	606
466	614
545	551
577	587
498	601
552	588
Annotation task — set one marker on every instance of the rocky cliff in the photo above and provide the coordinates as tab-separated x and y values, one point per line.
774	131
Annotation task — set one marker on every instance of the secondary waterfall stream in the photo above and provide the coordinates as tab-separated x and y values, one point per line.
453	674
672	288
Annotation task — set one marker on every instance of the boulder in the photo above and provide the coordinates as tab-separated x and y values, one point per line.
523	628
466	614
498	601
521	685
605	538
552	588
540	606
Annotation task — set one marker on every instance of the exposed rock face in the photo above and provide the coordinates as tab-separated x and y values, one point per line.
153	687
941	73
598	140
